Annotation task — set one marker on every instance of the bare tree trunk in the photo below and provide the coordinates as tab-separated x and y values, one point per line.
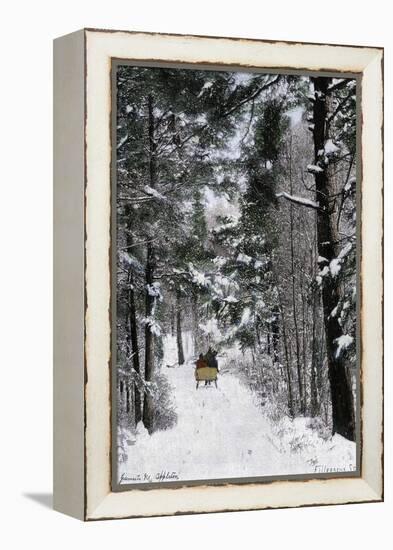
173	320
287	361
313	375
294	308
149	341
320	358
314	405
268	339
304	334
180	351
148	406
326	193
132	327
195	322
135	349
275	333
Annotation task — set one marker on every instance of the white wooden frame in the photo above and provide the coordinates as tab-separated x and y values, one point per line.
82	419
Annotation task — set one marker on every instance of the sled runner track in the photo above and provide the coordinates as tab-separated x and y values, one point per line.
223	395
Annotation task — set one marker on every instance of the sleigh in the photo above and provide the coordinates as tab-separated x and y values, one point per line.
207	375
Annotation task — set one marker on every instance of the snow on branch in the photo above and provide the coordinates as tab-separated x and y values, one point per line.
341	83
243	258
314	169
253	96
330	148
298	200
154	327
122	141
342	342
130	261
153	192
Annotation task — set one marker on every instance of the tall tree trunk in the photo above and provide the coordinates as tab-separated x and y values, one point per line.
148	405
135	348
287	360
326	194
293	279
180	351
173	322
314	359
132	327
195	322
268	339
275	333
320	358
304	346
314	406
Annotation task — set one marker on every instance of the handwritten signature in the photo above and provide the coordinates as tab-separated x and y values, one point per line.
145	477
324	469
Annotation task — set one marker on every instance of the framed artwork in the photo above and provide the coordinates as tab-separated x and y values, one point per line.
218	274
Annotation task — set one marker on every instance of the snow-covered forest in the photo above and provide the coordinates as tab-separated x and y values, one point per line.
235	230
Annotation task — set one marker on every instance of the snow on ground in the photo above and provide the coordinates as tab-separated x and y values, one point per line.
223	433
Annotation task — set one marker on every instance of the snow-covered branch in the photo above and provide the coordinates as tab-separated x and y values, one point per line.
298	200
339	85
251	97
122	141
314	169
339	107
227	113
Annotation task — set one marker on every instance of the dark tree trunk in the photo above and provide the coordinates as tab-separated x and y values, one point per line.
326	194
275	334
287	360
314	358
320	358
148	411
315	343
289	374
173	321
304	347
180	352
132	327
148	405
128	405
268	339
195	322
293	280
135	349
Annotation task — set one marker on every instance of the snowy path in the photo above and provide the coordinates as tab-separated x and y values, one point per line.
222	433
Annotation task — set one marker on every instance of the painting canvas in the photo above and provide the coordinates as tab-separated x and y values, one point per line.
235	348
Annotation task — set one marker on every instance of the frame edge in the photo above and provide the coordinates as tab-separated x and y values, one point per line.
68	271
